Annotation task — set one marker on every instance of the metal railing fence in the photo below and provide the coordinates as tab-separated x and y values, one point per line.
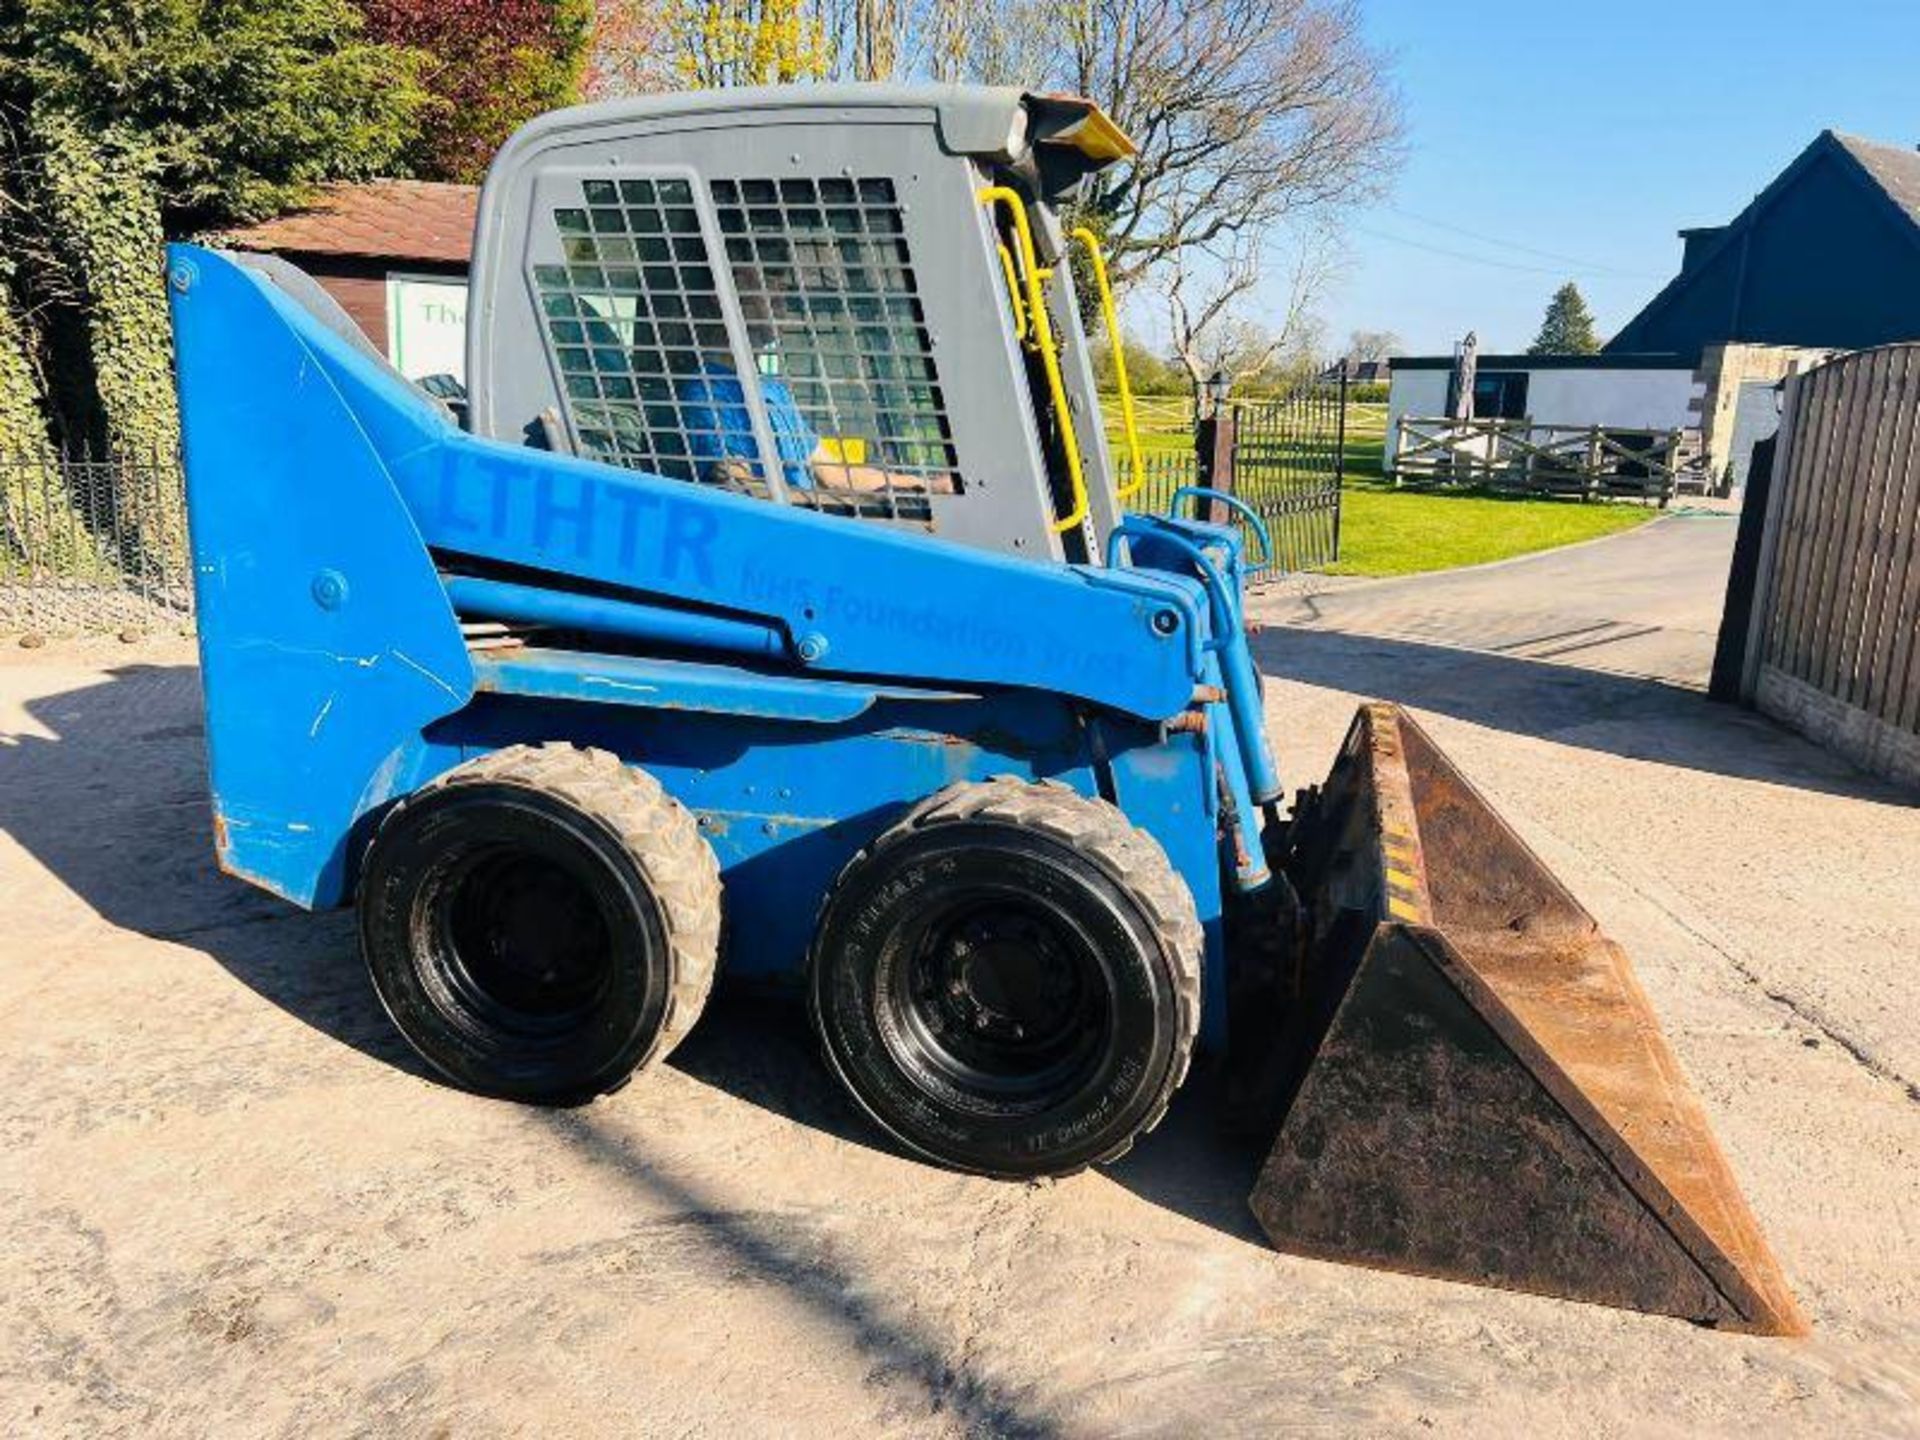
1289	456
92	541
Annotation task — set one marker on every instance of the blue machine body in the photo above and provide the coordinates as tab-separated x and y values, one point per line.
795	679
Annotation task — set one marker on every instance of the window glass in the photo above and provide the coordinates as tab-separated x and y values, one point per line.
633	322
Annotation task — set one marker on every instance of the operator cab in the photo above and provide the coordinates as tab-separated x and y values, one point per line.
850	298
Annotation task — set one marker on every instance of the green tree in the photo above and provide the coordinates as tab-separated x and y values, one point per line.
121	120
243	103
1568	326
39	522
97	198
1147	373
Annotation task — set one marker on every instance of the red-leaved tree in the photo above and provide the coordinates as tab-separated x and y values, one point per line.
492	65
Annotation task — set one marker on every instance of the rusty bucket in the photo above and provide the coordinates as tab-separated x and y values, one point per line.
1489	1097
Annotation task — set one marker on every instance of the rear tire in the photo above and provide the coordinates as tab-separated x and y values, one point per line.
541	922
1008	980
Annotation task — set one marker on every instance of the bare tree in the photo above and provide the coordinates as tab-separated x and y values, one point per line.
1208	297
1252	117
1247	113
1012	43
628	54
1365	345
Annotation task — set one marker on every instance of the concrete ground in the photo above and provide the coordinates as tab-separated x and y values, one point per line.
1650	608
231	1203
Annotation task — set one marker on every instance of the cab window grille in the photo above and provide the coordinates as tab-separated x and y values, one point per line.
831	302
634	321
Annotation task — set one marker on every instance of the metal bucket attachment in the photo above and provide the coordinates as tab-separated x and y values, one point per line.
1489	1097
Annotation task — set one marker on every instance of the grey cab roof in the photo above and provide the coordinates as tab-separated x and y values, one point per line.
972	119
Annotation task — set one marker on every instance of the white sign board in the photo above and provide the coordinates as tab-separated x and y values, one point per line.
427	325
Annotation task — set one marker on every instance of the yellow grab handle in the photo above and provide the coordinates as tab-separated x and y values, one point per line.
1013	293
1042	329
1092	241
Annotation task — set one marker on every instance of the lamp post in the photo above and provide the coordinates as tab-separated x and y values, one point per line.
1219	387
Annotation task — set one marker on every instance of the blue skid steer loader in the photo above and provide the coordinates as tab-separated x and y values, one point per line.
769	600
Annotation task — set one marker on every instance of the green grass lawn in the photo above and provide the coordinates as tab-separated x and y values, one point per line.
1384	531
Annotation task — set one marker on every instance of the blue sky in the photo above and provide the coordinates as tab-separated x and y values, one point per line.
1565	139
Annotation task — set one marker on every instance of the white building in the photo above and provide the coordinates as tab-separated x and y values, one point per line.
1623	392
1725	398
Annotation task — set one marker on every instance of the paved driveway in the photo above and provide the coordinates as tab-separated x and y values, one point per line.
231	1203
1644	603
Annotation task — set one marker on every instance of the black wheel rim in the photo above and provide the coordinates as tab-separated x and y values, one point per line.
1002	996
521	940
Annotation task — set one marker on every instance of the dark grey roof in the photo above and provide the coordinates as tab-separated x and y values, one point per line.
1891	171
1895	168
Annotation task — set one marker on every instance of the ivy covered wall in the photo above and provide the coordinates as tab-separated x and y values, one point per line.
122	124
101	207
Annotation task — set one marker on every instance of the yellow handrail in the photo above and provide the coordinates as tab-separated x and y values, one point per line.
1118	344
1043	342
1013	292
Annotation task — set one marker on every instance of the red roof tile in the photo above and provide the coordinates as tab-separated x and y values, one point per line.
416	220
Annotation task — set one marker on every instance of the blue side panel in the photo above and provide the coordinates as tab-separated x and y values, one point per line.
686	686
326	641
865	598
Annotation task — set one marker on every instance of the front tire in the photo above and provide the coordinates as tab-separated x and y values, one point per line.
541	922
1008	980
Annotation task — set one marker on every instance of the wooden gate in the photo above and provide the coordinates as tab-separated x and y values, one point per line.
1832	644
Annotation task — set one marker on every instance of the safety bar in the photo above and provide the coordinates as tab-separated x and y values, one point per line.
1020	327
1232	502
1043	342
1117	343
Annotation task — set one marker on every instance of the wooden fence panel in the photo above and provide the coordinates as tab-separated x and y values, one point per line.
1522	457
1897	650
1836	633
1795	462
1850	488
1866	612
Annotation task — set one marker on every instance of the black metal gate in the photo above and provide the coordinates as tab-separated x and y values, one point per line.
1286	460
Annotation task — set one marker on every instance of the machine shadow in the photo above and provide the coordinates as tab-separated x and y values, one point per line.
112	800
759	1244
1196	1164
115	804
1595	710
